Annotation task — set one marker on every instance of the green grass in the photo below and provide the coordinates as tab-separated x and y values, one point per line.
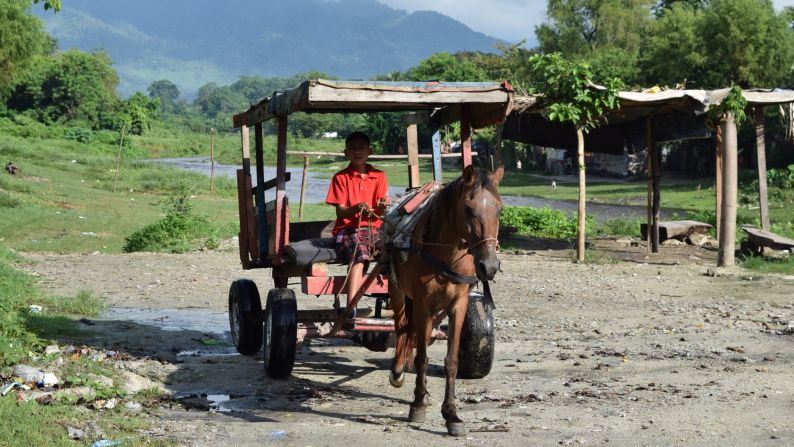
64	206
22	333
84	303
31	424
769	265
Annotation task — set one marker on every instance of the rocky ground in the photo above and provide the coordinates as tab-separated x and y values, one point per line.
636	349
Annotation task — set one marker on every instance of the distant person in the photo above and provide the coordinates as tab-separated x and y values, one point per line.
12	169
401	150
360	195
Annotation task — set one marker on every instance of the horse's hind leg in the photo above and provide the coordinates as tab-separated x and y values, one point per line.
404	339
424	327
457	313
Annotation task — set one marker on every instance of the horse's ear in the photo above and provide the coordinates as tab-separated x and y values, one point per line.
496	176
469	175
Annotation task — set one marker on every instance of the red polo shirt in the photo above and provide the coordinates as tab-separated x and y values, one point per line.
349	187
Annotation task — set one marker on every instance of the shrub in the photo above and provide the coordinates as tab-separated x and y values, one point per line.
179	231
541	222
80	134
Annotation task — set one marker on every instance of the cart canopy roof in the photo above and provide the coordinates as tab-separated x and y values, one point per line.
488	102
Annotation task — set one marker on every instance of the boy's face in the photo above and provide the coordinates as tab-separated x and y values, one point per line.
357	151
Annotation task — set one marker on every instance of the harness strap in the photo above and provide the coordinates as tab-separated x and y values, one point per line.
441	267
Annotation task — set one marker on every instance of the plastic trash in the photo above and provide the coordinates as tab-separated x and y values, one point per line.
35	309
28	374
8	387
106	443
278	435
75	433
49	380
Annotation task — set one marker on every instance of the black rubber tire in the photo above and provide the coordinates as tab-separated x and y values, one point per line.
375	341
245	316
477	339
280	333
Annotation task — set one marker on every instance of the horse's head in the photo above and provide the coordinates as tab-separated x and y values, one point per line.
479	216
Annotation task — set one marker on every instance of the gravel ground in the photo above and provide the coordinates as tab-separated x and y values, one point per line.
638	349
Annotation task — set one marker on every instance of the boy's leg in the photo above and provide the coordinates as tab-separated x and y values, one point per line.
354	280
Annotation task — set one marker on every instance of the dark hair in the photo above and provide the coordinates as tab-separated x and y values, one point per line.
356	136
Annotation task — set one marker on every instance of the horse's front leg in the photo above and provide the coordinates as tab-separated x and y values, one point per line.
404	345
424	327
457	313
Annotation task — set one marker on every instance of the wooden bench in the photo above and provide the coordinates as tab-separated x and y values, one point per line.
758	239
677	229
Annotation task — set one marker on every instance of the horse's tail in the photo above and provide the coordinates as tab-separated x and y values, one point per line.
405	330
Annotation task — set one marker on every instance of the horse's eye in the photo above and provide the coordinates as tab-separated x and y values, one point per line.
469	211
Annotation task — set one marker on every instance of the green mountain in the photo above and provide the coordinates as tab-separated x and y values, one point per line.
192	42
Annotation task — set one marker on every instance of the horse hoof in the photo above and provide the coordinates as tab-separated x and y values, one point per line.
416	415
396	382
456	428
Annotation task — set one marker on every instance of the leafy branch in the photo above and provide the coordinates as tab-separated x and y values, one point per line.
567	87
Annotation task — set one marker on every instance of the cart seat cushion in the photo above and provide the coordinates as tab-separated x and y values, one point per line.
310	251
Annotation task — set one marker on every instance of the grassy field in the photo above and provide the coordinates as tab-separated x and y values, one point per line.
64	201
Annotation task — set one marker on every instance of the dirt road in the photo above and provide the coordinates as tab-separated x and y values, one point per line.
639	350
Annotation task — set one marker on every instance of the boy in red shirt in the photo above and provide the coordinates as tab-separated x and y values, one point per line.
360	195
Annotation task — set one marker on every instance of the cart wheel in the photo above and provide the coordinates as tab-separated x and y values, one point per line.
280	333
376	341
245	316
477	341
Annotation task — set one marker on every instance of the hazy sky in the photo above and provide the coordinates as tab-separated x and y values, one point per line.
511	20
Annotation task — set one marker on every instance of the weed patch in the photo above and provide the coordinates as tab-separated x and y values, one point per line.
769	265
541	222
179	231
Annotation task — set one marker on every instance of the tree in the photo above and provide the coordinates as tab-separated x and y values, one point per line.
569	95
446	67
726	42
607	34
70	86
22	37
167	92
214	100
137	113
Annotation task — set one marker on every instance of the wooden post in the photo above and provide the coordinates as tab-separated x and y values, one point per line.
498	156
657	173
465	135
718	179
437	174
412	138
760	148
282	213
725	256
118	156
303	185
649	163
212	161
582	220
259	147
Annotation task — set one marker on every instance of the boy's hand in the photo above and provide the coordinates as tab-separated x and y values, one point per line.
364	209
383	203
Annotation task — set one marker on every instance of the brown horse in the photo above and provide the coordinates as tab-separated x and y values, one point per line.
453	243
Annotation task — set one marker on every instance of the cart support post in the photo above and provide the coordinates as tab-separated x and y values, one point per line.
282	218
260	189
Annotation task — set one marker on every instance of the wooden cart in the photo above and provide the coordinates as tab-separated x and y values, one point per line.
304	249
